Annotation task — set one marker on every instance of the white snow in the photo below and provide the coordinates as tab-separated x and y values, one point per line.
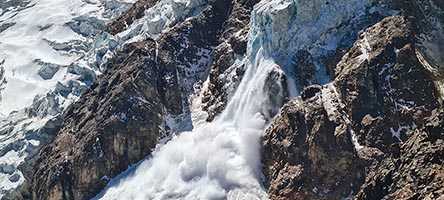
215	160
24	43
27	103
198	116
355	140
397	133
365	48
330	99
161	17
314	26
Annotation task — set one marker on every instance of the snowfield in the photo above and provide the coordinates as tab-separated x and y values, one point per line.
44	38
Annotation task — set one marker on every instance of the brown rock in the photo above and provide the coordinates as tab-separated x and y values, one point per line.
308	156
418	171
324	144
222	80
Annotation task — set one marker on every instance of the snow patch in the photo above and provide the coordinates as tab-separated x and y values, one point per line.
365	48
160	18
330	99
198	116
398	132
355	141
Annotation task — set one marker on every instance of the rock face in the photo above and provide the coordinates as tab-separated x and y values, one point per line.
120	118
233	42
304	69
415	169
383	83
373	126
308	153
104	132
51	80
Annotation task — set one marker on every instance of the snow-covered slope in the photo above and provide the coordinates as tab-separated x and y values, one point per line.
50	51
44	49
43	39
220	159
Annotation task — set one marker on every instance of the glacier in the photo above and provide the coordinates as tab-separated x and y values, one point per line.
41	50
220	159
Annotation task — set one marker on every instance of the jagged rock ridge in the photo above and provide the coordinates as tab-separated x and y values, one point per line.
362	133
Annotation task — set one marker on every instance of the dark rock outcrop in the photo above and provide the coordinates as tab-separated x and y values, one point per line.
304	69
429	19
388	87
335	138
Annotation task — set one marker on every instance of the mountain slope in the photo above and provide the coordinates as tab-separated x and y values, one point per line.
119	120
237	99
33	124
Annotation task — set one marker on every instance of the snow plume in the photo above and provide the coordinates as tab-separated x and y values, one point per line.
221	160
216	160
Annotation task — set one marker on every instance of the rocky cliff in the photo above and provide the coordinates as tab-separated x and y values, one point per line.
370	134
